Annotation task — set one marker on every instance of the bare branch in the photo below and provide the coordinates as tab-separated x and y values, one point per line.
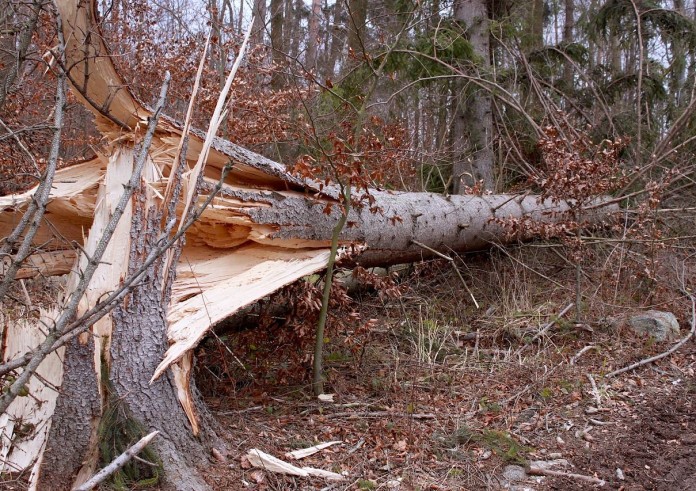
70	308
35	212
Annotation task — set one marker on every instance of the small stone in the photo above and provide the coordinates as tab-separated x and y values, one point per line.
394	484
513	473
663	326
620	474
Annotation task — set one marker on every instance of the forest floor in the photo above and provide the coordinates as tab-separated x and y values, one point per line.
440	395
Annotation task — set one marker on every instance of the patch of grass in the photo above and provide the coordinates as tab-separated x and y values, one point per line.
378	384
498	442
297	444
337	357
567	386
463	435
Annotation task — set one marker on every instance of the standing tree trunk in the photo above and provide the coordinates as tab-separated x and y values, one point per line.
338	39
533	37
259	27
357	18
107	401
472	138
278	55
568	23
313	36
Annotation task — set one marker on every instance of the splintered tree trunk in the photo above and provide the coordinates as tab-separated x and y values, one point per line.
106	398
130	373
142	318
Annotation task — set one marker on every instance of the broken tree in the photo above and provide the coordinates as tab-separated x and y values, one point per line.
129	371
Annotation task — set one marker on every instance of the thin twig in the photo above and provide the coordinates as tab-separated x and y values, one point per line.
551	280
595	390
577	356
93	261
546	327
35	211
118	462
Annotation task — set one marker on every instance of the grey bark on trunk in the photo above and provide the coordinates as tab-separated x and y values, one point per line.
277	47
312	36
472	129
90	413
139	340
568	23
75	421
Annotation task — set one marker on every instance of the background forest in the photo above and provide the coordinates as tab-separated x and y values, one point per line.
458	93
456	369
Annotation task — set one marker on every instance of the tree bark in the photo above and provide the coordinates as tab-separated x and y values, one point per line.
259	27
71	453
106	375
313	36
533	38
139	340
472	129
277	47
568	23
338	39
357	18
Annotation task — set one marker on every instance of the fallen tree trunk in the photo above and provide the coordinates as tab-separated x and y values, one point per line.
265	229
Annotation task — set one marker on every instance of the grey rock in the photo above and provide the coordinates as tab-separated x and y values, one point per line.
662	326
514	473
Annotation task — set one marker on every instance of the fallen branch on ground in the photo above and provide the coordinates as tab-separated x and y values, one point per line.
538	471
547	326
268	462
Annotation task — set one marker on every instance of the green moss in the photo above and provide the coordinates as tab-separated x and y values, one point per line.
366	484
546	393
503	445
498	442
488	406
